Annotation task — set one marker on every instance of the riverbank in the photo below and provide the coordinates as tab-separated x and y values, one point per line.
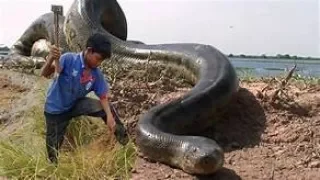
262	139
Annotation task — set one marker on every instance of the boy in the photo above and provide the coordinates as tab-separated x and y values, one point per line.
78	74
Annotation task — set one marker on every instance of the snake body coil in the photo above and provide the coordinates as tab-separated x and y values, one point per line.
163	133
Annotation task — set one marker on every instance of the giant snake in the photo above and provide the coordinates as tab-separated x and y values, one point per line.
165	133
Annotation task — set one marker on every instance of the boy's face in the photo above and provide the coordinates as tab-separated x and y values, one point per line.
93	59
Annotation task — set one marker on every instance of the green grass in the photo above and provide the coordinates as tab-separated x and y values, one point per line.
89	152
248	76
306	79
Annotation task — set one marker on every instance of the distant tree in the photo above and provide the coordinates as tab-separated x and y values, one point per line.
287	56
263	56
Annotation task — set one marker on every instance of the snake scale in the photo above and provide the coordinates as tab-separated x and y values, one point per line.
164	133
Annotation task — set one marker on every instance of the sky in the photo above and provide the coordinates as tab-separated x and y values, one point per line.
234	26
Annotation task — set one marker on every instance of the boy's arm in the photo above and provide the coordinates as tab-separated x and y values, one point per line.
110	119
48	68
101	89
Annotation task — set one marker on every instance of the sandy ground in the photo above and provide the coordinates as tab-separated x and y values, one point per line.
261	139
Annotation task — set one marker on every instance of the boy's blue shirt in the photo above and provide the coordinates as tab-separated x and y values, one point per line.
72	84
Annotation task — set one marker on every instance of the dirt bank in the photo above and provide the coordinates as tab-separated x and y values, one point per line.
14	90
262	139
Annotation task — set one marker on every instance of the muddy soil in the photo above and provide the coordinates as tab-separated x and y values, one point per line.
261	139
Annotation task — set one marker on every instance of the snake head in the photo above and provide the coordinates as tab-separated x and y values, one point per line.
202	156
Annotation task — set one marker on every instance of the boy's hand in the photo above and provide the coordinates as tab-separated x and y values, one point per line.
48	68
111	123
54	53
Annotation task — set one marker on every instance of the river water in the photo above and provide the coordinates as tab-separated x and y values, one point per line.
274	67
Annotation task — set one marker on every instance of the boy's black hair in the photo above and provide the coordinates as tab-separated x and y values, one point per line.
100	44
